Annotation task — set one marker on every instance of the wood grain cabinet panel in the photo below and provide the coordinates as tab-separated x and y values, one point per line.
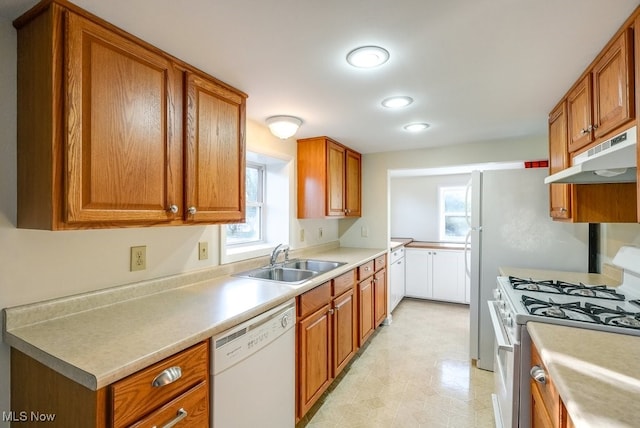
366	299
123	152
127	135
380	296
314	358
329	179
603	100
559	194
215	155
345	342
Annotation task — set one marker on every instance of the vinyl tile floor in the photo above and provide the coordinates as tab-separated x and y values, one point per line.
415	372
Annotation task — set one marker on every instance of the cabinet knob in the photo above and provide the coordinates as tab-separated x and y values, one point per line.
173	208
192	210
331	311
167	376
563	210
584	131
538	374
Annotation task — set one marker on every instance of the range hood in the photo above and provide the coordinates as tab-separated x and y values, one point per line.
612	161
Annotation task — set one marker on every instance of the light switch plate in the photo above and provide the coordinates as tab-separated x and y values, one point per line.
203	250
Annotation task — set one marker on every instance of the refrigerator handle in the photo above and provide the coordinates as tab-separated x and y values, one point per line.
467	243
467	211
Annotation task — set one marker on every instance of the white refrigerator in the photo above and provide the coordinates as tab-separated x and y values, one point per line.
511	226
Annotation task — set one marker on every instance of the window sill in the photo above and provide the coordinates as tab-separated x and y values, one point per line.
244	252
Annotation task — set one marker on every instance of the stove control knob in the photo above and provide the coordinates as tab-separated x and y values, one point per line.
538	374
502	305
508	321
497	294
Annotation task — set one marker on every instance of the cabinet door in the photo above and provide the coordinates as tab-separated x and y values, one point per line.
314	344
335	179
418	273
447	272
123	110
353	184
613	86
579	115
559	194
365	310
380	296
345	328
215	152
539	414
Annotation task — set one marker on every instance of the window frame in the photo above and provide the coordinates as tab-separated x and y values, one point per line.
259	203
443	214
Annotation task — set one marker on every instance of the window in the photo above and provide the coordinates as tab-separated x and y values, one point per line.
453	216
251	231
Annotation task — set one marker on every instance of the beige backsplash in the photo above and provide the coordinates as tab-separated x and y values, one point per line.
615	235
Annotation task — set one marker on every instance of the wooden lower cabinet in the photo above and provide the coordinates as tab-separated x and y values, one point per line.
314	357
345	328
129	402
326	337
547	408
366	298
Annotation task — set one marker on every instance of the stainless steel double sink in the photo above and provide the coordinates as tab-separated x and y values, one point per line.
294	271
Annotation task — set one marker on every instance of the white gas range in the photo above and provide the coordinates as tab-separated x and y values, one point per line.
519	300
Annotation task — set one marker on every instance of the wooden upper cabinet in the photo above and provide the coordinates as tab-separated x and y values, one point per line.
579	113
613	83
603	100
560	195
215	152
126	134
329	179
123	153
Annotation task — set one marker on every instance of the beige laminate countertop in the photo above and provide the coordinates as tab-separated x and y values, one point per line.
596	373
110	340
436	245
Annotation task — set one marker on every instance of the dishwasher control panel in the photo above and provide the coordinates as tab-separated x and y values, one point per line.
239	342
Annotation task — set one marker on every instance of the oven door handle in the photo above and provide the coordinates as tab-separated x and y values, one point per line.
501	337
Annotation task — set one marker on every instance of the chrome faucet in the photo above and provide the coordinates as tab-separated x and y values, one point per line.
274	255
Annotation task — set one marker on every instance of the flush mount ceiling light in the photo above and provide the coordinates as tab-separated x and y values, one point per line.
368	56
416	127
396	102
283	127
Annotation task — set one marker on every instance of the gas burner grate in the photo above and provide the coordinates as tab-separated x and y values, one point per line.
617	317
562	287
575	311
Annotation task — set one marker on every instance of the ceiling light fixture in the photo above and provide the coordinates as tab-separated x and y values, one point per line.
416	127
283	127
396	102
368	56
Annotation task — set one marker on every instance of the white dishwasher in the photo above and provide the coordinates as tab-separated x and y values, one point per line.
253	372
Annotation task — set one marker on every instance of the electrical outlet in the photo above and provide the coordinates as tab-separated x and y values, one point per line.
320	233
364	232
138	258
203	250
301	235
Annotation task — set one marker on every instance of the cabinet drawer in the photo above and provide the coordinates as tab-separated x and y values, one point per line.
547	391
380	262
314	299
343	283
396	254
135	396
365	270
190	409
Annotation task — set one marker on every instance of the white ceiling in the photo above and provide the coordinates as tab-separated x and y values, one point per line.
477	69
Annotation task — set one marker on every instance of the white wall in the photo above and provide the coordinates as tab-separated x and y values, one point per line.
38	265
415	205
375	180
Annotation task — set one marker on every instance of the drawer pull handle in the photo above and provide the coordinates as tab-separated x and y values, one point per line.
538	374
182	413
168	376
